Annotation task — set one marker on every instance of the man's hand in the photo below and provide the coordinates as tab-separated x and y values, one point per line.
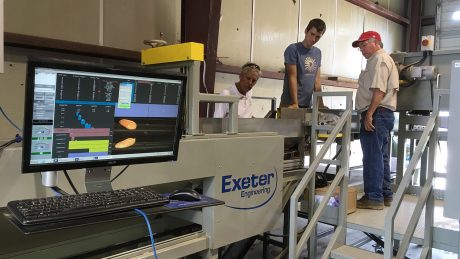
321	106
294	106
368	126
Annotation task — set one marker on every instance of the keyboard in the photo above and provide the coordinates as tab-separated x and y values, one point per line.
77	206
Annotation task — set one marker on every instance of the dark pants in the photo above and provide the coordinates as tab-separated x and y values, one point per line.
376	160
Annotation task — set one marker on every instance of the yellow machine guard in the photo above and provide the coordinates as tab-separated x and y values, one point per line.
173	53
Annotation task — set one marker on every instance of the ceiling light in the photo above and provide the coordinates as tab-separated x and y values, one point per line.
456	15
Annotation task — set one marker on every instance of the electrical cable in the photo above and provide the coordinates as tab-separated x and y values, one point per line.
328	165
152	240
431	81
17	139
381	243
204	77
411	82
70	181
126	167
205	86
425	54
276	235
58	191
6	144
9	120
321	179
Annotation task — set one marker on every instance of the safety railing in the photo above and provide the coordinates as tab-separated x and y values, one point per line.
308	180
426	199
194	97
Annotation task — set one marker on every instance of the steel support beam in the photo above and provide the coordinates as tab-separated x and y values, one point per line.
377	9
200	23
415	24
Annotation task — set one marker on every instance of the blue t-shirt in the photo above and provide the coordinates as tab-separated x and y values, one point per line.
307	62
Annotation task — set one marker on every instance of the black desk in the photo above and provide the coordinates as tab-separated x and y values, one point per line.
105	233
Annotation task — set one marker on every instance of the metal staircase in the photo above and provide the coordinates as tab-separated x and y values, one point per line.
308	182
395	239
427	143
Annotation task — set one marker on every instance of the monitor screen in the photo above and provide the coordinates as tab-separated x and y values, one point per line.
85	116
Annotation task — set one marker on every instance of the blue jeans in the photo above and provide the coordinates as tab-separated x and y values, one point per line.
376	160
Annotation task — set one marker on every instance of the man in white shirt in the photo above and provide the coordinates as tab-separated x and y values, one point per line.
250	73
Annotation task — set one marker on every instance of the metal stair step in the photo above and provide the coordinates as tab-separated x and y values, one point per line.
349	252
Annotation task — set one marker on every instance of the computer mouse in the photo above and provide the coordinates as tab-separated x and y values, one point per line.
185	195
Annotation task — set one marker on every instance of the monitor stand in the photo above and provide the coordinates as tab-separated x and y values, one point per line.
97	179
49	178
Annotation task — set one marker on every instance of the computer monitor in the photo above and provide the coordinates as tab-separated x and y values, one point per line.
85	116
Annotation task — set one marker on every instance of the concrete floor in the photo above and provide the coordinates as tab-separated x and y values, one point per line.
354	237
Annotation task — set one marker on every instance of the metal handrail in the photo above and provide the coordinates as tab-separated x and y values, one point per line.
295	248
429	135
194	97
391	214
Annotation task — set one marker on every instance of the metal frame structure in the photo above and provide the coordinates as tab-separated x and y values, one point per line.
409	129
194	97
171	248
426	199
308	181
191	167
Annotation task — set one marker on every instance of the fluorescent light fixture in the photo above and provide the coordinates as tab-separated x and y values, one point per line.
456	15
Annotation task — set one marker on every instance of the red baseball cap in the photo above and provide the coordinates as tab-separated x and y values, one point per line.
365	36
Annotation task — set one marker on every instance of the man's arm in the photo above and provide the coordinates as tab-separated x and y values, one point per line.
377	97
317	88
291	70
378	87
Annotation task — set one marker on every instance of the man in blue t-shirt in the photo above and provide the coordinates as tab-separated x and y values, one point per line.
303	61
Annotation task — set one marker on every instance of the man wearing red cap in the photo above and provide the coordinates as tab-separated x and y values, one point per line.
376	100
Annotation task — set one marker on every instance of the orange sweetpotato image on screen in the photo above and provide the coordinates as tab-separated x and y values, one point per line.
125	143
129	124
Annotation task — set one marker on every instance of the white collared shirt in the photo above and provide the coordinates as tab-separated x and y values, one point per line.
244	105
